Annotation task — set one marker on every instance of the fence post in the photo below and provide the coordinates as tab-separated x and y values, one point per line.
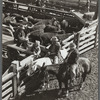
79	3
77	39
14	64
96	36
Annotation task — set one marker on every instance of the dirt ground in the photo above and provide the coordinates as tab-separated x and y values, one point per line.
89	91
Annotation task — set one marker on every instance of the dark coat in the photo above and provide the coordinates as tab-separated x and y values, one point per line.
54	48
73	56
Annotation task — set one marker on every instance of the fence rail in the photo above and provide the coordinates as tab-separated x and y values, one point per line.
85	40
7	86
35	10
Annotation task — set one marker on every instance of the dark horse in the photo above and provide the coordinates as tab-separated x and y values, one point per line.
33	81
63	74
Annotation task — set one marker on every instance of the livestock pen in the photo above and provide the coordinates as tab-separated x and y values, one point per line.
86	39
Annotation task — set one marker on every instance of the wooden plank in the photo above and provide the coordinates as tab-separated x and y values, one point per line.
48	10
67	44
7	77
86	49
23	50
69	38
86	40
7	91
84	30
97	44
7	97
6	84
86	45
87	35
7	37
27	61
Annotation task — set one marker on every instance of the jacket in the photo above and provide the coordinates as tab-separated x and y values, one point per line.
73	56
54	48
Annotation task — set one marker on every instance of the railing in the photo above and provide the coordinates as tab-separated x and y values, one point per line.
65	4
11	77
17	7
9	85
85	39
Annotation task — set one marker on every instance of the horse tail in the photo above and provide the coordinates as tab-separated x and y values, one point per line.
90	69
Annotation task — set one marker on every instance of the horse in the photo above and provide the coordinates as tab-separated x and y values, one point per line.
63	75
32	82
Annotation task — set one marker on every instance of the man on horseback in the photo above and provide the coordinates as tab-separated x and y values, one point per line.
71	60
54	49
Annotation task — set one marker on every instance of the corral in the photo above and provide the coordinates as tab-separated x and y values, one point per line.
86	39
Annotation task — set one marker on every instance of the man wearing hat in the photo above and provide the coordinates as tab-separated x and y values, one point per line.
20	36
54	49
71	60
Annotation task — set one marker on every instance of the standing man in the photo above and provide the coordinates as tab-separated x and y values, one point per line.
54	49
36	50
21	37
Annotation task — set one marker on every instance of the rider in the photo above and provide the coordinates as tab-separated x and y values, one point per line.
71	60
54	49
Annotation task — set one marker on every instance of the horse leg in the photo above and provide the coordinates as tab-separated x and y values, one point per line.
82	80
84	76
47	80
66	87
60	87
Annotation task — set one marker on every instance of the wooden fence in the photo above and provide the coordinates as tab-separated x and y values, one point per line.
9	84
86	39
36	11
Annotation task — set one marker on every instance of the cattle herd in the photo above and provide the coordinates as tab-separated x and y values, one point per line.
38	29
30	29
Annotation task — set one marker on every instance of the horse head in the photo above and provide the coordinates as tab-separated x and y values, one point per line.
31	69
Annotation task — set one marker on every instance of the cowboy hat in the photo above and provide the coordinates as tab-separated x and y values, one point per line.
54	39
72	45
